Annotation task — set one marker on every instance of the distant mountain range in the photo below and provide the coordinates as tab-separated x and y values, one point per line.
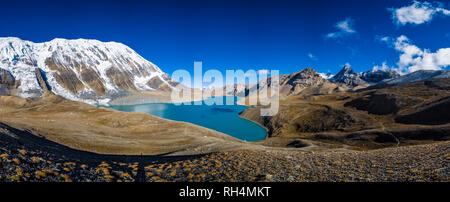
97	72
83	70
349	77
419	76
308	82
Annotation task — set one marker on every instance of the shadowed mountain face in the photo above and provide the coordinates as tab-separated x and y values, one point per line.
6	78
432	113
349	77
407	99
422	102
7	82
381	104
81	70
377	76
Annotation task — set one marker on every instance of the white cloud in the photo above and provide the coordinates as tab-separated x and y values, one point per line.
417	13
344	27
443	10
313	57
413	58
385	67
385	39
331	35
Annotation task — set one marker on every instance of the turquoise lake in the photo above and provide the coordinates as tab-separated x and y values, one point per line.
222	118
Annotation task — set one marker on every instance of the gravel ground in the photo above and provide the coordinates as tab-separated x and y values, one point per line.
413	163
430	162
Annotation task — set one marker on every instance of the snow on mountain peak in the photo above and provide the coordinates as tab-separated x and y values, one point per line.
78	69
379	75
326	75
348	76
420	75
347	67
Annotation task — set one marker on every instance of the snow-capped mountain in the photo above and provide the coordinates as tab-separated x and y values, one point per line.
420	76
326	75
84	70
348	76
377	76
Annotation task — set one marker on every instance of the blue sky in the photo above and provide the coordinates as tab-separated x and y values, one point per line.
284	35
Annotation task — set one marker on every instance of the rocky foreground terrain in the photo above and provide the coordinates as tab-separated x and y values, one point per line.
26	157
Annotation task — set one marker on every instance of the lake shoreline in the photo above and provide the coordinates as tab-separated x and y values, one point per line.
225	119
262	126
146	98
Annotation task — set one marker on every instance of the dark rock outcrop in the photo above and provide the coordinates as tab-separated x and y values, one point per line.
7	82
378	76
381	104
434	113
348	77
6	78
42	80
122	79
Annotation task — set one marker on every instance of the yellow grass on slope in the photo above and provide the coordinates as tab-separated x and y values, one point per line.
85	127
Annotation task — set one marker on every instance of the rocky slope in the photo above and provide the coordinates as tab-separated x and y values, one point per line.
7	82
419	76
378	76
349	77
296	82
406	98
84	70
26	157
